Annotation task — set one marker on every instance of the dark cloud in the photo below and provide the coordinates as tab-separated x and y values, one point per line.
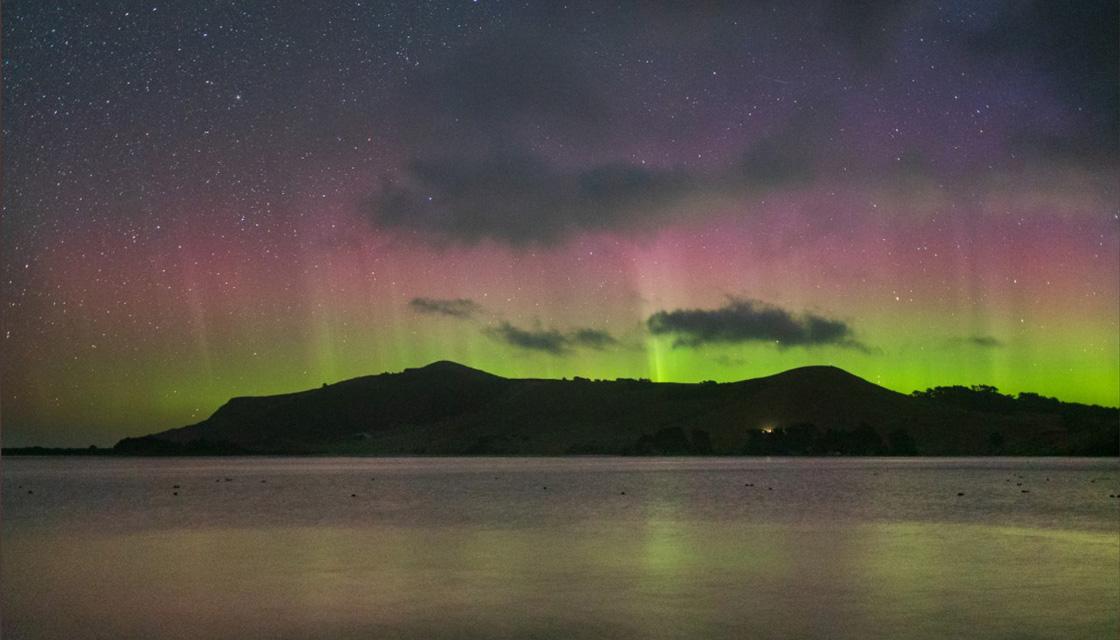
593	339
455	307
508	133
981	341
743	320
547	340
481	125
522	199
550	340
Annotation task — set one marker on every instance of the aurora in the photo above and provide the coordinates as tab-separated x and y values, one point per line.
210	200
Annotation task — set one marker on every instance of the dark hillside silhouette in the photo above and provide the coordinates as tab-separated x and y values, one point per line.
449	409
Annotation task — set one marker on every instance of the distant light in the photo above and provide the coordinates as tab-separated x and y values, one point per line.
767	429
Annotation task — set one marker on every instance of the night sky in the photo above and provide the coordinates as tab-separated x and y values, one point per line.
210	199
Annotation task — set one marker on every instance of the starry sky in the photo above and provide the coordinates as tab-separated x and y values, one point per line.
216	198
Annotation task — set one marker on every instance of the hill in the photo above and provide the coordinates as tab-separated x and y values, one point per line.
450	409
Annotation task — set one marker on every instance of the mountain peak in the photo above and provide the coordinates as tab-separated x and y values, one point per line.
819	370
824	377
450	367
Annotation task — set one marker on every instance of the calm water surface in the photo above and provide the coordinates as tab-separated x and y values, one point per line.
560	548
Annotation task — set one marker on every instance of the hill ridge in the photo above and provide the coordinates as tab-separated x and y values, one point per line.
446	408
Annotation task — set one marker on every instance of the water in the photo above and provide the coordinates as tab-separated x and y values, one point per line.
479	548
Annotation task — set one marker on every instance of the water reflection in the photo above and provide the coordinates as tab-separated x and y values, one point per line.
448	549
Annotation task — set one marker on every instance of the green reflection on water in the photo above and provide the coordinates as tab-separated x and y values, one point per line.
664	576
